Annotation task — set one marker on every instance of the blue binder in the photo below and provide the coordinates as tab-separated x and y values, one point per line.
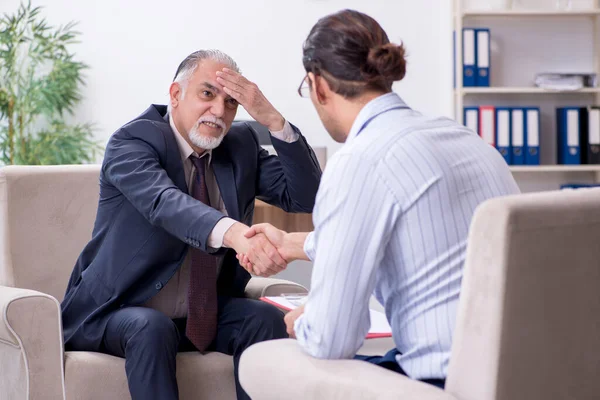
503	133
469	57
567	134
532	135
483	57
517	135
471	118
579	185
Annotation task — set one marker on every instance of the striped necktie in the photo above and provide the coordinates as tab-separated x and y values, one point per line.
202	292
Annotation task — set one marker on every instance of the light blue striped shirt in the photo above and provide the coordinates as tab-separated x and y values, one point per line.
391	218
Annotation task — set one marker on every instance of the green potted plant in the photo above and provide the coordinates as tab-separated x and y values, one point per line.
39	85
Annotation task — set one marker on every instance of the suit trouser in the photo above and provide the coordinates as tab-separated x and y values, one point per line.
149	342
388	361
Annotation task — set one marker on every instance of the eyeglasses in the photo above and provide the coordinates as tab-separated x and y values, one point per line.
304	88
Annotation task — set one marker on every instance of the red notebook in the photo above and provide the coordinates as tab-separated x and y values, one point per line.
380	328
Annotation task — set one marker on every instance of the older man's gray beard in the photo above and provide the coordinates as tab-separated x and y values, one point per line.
203	141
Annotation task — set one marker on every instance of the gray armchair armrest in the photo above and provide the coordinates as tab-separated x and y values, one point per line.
279	369
31	345
259	287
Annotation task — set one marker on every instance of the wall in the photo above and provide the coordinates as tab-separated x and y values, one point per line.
133	48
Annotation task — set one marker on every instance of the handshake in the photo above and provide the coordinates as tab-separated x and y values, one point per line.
264	250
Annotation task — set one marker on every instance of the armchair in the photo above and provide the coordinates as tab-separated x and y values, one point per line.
46	218
528	326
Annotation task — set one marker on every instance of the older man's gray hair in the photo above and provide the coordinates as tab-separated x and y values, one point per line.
188	66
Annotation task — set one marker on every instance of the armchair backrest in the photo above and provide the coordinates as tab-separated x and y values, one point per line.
46	218
529	316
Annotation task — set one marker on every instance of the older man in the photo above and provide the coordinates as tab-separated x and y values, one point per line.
177	191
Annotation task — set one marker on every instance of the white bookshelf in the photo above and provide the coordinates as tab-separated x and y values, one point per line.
532	13
522	90
542	175
555	168
547	175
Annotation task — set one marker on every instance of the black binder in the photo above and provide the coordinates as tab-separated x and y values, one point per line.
589	133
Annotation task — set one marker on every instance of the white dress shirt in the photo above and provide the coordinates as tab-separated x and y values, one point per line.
391	219
172	299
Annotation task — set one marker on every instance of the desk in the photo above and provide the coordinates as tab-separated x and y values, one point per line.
289	222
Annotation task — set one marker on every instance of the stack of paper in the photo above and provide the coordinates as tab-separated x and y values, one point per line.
379	325
552	81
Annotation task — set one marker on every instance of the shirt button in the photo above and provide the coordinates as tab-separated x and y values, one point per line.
158	286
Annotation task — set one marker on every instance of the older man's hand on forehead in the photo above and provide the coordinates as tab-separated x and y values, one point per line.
251	98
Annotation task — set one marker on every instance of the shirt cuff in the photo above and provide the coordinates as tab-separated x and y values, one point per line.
308	340
309	246
287	134
299	331
215	239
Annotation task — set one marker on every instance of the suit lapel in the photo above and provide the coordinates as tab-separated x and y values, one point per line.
223	170
174	162
221	165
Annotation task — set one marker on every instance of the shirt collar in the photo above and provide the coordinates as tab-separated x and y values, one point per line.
185	150
372	109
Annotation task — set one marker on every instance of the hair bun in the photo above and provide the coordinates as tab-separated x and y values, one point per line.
386	62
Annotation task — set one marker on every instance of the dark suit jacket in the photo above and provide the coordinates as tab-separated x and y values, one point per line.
146	220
